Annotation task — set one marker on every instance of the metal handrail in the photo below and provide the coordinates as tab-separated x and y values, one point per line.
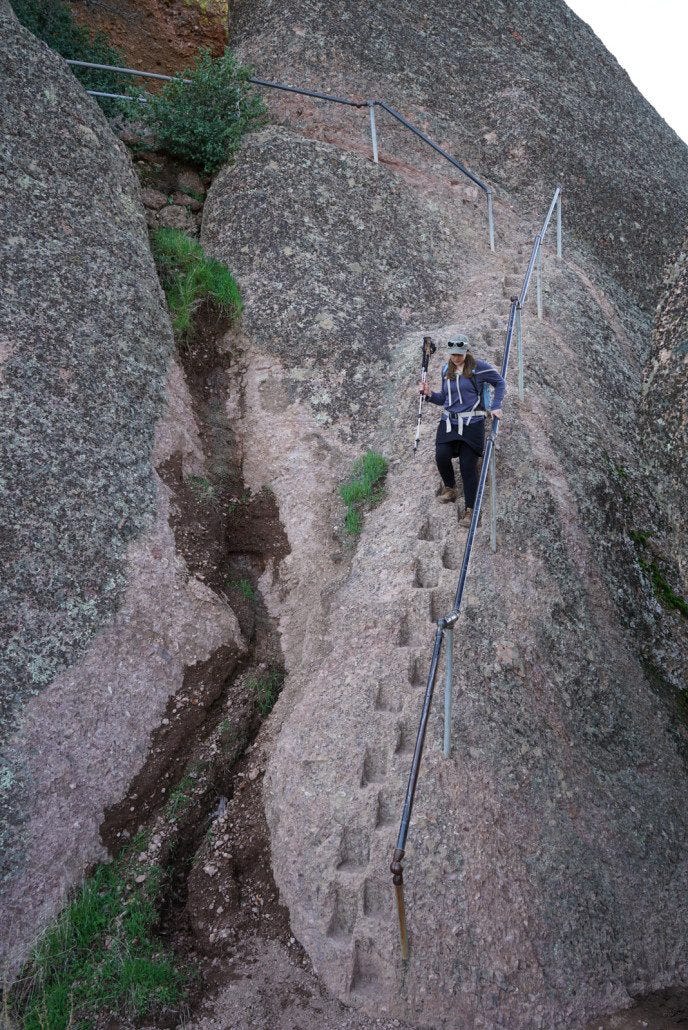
331	98
446	624
123	71
529	272
535	261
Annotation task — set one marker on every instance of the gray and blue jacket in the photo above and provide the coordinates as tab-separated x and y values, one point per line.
459	399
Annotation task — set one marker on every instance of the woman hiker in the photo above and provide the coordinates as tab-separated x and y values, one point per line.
461	432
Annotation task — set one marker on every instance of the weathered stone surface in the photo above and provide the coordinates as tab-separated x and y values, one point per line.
153	199
183	200
99	618
303	215
175	217
87	345
523	92
666	392
545	858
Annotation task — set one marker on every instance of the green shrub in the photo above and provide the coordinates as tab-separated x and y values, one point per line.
189	277
203	120
363	489
53	22
100	955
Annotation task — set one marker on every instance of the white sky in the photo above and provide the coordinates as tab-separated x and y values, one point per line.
649	39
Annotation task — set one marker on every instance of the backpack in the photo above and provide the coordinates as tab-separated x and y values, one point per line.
485	393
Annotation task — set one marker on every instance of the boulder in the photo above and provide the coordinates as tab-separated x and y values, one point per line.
99	617
176	217
523	93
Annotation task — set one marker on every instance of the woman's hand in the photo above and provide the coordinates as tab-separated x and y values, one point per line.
496	412
424	389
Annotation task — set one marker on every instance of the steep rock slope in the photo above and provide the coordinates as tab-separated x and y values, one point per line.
520	89
546	857
666	390
100	618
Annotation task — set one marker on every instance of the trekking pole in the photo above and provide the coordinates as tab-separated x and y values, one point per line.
429	349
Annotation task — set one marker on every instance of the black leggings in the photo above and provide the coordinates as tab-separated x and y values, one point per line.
468	464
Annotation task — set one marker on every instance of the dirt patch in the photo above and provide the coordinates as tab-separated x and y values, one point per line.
664	1010
154	35
231	892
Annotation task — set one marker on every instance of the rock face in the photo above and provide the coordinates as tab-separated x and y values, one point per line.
522	91
545	856
667	401
158	35
100	619
337	355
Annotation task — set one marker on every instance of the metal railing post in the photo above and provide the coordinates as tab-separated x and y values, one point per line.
448	646
373	129
493	503
490	220
559	248
519	352
539	282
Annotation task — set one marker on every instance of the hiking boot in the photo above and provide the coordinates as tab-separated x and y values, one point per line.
447	494
465	519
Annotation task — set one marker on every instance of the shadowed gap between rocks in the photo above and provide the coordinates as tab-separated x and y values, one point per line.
189	781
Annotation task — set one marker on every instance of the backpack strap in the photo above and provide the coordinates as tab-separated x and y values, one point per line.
483	393
478	390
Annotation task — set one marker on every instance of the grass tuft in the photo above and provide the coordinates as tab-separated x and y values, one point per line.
189	277
266	689
244	586
179	799
100	955
201	487
363	489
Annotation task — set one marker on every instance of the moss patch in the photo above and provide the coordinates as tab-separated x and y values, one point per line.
661	587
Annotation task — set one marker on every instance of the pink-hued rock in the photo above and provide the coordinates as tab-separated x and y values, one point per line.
175	217
183	200
153	199
100	617
666	405
545	857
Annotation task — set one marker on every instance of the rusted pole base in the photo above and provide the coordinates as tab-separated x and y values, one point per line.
397	871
